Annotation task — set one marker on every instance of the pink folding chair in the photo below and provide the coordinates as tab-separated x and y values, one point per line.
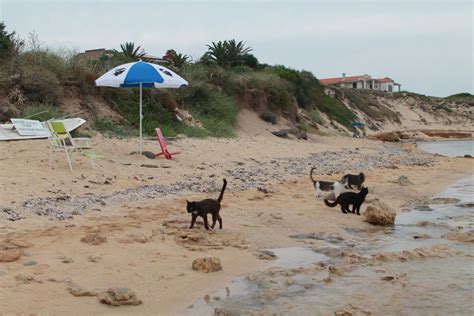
164	148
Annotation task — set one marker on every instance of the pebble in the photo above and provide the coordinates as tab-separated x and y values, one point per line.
295	288
30	263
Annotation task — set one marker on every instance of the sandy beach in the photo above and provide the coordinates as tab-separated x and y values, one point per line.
138	206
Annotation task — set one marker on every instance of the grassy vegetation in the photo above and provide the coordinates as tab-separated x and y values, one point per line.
109	127
41	112
368	103
466	98
460	95
225	78
316	117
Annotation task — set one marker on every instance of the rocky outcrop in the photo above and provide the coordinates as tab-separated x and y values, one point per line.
379	213
208	264
118	297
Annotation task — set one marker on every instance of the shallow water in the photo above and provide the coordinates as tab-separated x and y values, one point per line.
450	148
440	285
295	257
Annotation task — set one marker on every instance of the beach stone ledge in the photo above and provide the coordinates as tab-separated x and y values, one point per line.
208	264
118	296
379	213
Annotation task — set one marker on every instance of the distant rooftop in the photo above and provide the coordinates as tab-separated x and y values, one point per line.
345	79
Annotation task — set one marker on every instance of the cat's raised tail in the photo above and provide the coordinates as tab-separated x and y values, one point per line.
311	175
329	203
219	199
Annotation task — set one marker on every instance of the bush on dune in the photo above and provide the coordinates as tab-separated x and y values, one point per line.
41	85
41	112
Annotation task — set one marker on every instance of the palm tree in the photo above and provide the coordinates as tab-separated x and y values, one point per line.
236	52
227	54
180	60
129	50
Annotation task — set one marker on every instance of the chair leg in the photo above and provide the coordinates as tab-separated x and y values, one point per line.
68	160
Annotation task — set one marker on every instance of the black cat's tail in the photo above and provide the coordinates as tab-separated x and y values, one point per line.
329	203
219	199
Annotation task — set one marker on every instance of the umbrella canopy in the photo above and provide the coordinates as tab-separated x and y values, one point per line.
141	75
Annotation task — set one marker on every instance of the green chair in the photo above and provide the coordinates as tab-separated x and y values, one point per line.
61	140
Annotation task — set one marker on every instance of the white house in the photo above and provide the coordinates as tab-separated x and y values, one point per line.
363	82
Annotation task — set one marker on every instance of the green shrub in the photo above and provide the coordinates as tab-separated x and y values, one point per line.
277	91
242	69
45	59
216	111
304	126
305	86
41	112
110	127
316	117
40	85
336	110
460	95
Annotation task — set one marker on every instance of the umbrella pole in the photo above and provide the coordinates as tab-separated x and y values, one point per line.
141	117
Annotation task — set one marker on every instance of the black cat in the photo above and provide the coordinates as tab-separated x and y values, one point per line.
354	179
202	208
349	198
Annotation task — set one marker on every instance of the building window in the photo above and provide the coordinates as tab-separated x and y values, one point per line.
354	85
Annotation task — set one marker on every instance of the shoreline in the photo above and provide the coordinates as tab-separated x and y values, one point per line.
261	268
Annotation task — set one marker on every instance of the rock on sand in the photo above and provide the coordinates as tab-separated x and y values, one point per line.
379	213
118	297
208	264
9	252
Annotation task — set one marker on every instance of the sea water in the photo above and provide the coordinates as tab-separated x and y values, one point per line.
450	148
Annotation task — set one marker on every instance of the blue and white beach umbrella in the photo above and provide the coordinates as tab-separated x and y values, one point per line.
141	75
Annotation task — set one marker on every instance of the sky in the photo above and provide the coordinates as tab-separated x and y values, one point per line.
426	46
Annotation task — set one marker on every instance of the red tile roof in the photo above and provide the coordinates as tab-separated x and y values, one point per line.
386	79
344	79
353	79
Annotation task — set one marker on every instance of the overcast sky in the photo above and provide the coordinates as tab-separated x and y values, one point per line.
426	46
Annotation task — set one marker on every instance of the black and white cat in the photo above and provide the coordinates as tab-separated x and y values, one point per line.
206	206
336	187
